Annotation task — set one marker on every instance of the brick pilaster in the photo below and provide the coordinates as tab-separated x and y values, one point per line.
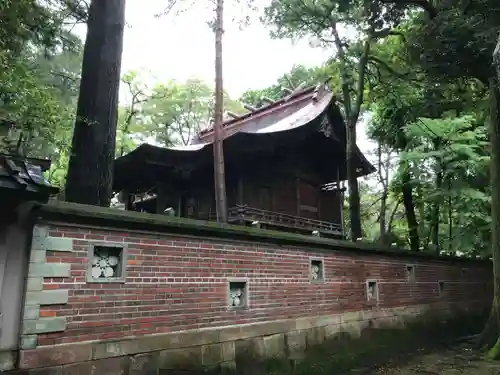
36	297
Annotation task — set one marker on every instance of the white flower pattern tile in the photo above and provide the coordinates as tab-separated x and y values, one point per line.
104	265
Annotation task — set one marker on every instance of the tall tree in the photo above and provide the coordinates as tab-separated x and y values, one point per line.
370	20
493	325
451	40
217	26
90	169
219	170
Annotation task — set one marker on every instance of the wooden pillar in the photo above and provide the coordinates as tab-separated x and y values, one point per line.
127	199
179	206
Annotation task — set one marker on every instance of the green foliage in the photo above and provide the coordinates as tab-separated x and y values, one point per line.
24	21
176	112
421	75
438	128
293	18
299	76
37	25
39	74
130	128
458	42
30	108
461	159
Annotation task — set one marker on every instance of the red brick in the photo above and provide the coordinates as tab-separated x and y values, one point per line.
94	237
176	283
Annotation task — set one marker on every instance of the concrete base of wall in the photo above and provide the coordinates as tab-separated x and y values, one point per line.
225	348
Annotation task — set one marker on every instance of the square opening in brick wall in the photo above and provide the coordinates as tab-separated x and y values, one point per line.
107	263
410	273
372	292
238	294
317	270
441	288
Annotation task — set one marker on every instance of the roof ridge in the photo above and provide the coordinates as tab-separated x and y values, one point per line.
276	104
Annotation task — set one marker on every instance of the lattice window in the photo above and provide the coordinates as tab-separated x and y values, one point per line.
441	288
317	270
238	294
410	273
372	292
107	263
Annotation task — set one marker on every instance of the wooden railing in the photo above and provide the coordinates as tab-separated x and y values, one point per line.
244	214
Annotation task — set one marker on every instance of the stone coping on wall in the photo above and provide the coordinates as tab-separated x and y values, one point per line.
62	354
66	212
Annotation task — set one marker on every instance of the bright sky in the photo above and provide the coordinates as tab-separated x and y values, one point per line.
182	46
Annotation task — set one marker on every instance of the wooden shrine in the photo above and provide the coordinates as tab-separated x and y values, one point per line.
285	164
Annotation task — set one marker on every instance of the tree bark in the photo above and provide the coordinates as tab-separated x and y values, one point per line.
492	327
433	96
420	209
383	214
219	168
352	181
352	110
391	217
90	170
383	169
450	217
436	210
411	218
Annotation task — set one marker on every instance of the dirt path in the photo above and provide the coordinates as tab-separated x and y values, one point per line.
461	360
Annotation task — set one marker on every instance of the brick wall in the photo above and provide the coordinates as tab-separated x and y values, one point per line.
178	283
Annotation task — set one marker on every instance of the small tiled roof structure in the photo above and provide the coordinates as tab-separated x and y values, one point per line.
23	178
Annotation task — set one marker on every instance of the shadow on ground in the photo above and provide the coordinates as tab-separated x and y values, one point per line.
461	359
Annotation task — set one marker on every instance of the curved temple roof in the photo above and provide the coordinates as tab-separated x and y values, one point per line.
288	115
298	109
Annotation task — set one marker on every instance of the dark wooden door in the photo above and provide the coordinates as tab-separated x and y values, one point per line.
330	206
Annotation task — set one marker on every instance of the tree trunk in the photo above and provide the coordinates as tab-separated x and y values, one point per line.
391	217
435	211
491	329
384	182
90	170
383	214
352	181
450	217
437	200
411	218
352	110
408	203
420	207
219	172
